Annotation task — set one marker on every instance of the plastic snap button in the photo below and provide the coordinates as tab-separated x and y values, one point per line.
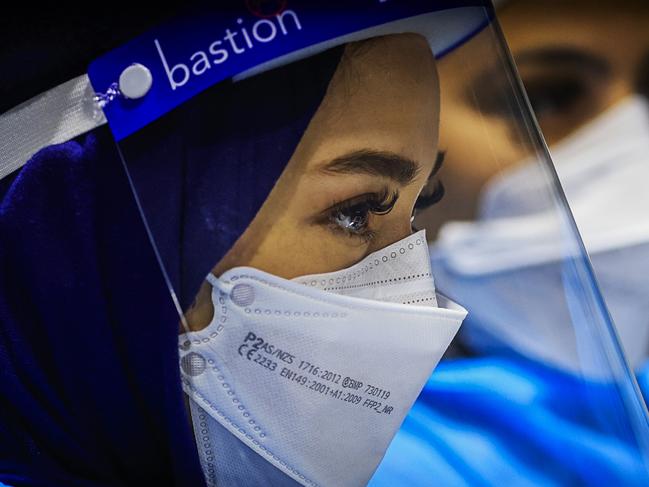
242	295
193	364
135	81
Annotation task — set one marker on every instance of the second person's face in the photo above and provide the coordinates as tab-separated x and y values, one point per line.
576	58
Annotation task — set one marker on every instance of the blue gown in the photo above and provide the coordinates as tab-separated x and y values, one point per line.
509	421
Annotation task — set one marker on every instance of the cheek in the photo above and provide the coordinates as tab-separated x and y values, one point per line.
291	249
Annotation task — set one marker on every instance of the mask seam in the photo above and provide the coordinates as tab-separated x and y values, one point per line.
207	450
321	300
235	400
221	378
355	274
392	281
214	333
257	445
258	311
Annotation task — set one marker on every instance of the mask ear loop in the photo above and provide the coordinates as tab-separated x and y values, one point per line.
212	279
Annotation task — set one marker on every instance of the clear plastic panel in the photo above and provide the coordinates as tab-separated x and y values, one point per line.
294	188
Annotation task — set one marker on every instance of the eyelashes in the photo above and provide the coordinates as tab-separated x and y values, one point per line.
432	198
352	216
434	194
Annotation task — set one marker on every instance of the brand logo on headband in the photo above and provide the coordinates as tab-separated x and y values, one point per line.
207	45
234	42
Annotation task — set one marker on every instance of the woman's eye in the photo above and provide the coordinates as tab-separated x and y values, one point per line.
431	197
352	219
426	200
353	216
548	94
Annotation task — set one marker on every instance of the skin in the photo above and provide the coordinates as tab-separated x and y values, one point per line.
384	96
565	93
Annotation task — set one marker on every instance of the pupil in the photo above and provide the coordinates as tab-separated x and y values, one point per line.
353	220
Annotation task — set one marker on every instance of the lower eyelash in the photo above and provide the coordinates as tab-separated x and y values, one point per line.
372	203
365	236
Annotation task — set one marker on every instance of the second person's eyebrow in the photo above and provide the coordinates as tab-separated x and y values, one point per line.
556	56
375	163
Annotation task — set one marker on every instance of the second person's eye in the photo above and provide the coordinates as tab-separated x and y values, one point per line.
550	95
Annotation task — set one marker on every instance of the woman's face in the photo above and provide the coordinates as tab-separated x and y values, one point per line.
351	185
576	58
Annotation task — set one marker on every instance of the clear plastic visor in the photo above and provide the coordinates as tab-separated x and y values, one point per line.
320	219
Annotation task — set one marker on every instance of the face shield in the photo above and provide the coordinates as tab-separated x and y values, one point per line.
287	161
603	182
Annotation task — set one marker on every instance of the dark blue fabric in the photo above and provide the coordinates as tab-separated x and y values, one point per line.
89	383
203	171
88	337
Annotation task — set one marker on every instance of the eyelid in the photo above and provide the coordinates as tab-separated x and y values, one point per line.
439	163
376	203
428	199
384	197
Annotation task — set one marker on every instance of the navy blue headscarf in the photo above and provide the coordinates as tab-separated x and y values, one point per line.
90	389
202	172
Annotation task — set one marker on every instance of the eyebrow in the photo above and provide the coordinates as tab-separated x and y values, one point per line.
563	55
378	163
488	85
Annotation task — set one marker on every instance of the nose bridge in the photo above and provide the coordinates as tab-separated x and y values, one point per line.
399	229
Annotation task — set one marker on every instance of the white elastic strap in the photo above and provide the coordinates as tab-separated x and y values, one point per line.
53	117
212	279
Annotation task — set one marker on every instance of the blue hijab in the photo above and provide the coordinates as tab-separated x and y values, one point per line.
89	382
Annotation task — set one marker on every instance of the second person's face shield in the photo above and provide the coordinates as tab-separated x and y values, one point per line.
281	200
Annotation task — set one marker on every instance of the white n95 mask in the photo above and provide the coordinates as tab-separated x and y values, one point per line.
507	266
313	375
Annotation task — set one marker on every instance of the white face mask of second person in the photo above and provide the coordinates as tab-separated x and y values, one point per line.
306	381
507	265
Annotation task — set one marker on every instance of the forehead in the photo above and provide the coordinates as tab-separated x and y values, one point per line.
383	96
383	69
579	23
